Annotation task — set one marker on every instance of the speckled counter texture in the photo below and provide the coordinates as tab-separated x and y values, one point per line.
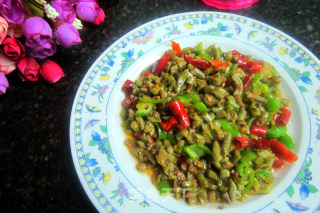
36	171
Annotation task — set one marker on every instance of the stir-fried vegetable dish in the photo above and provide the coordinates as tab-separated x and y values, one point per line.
210	125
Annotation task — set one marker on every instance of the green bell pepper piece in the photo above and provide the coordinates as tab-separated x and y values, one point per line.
201	106
247	156
161	133
164	187
263	174
287	141
232	102
171	138
204	148
153	101
273	103
201	52
276	132
144	109
243	170
257	84
193	151
249	185
197	150
232	129
195	100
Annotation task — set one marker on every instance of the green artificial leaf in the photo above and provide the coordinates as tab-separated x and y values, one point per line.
93	143
210	18
306	62
290	191
103	128
303	89
35	6
312	188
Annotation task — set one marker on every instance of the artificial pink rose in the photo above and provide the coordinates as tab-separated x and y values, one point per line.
51	72
28	69
15	30
6	66
12	49
100	18
3	29
67	35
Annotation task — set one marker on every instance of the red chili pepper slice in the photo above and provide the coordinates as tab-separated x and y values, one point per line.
176	47
180	113
169	124
138	134
242	62
261	143
146	73
242	142
250	67
128	101
227	82
183	160
278	164
127	87
253	67
202	64
276	116
281	151
235	52
259	130
161	64
246	82
284	117
218	63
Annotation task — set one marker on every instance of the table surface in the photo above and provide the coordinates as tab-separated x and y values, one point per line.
36	170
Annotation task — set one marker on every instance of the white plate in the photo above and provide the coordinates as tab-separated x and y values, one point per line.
103	163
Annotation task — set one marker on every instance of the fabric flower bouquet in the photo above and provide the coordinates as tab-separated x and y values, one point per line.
30	31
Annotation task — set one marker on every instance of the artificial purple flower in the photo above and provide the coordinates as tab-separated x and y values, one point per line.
39	41
88	10
35	25
67	35
65	10
4	84
12	11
